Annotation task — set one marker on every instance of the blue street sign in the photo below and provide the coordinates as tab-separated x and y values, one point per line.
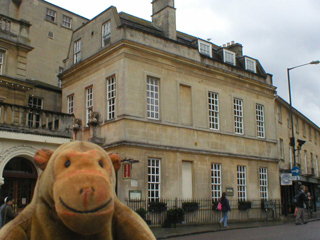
295	171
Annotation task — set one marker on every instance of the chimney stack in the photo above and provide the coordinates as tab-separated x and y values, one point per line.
235	47
164	17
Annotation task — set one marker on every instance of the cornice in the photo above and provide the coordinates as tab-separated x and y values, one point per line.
188	150
166	55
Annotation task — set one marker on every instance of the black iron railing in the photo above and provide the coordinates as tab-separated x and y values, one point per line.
204	210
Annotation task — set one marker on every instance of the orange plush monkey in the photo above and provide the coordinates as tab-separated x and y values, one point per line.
75	200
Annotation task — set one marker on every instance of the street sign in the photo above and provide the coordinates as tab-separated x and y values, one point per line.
286	179
295	171
127	170
295	178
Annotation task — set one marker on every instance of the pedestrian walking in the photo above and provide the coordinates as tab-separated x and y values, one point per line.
302	201
310	205
7	213
225	209
2	207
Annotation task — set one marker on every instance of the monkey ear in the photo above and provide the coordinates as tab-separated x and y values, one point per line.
116	161
42	157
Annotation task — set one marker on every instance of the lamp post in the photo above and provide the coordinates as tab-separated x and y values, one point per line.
292	139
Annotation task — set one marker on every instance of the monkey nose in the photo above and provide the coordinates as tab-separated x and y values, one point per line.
87	190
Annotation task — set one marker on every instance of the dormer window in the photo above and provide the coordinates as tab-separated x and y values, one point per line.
106	30
51	15
66	21
250	65
77	51
229	57
205	48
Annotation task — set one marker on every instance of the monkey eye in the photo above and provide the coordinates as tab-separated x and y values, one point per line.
101	163
67	163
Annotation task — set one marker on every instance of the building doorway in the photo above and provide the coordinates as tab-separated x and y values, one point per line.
20	177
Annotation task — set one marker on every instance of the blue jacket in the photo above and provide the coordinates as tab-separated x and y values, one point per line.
225	205
2	207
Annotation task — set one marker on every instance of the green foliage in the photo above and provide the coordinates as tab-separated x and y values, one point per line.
157	204
244	205
190	206
174	216
142	212
157	207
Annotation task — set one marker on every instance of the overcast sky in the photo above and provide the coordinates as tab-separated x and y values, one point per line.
279	33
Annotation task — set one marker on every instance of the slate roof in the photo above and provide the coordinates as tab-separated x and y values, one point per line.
146	26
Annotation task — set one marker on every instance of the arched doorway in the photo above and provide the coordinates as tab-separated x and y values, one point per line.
20	177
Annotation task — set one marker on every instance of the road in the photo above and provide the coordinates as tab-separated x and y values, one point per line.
290	231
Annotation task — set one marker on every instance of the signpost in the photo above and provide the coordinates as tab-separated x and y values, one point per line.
286	179
295	171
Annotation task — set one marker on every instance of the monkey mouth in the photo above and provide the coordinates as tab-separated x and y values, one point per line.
88	211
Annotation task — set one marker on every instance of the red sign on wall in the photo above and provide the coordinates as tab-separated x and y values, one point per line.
127	170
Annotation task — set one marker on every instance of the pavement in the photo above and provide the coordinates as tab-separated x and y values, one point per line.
188	229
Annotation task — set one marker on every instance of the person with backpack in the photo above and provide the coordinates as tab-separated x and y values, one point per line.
2	206
7	213
225	209
301	200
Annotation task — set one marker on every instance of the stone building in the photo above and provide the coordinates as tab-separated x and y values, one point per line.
191	119
307	152
34	37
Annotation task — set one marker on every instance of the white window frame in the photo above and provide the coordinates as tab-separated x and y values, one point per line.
2	56
111	97
304	129
213	105
153	98
242	183
154	179
71	104
263	179
238	115
216	181
106	31
250	65
89	103
51	15
315	137
77	51
229	57
205	48
66	21
260	120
